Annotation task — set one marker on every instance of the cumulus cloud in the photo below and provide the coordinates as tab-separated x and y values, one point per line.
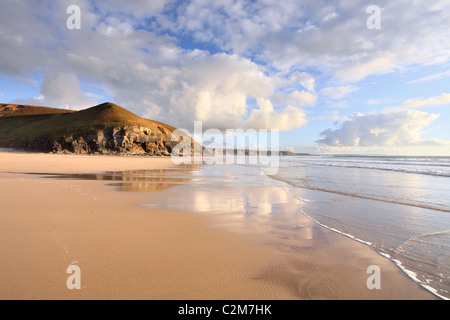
379	65
214	89
63	90
402	128
145	70
337	93
113	26
249	51
267	118
218	87
136	8
330	36
296	98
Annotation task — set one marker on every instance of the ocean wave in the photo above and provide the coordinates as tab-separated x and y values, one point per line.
427	278
410	272
363	196
430	167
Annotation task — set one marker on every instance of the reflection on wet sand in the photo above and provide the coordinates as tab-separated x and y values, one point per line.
239	204
133	180
243	205
142	186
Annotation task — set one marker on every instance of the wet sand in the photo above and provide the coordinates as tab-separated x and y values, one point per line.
135	245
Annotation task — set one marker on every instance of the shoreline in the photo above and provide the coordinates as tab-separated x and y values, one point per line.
115	239
411	275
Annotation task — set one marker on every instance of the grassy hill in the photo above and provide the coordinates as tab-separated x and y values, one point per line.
9	110
32	127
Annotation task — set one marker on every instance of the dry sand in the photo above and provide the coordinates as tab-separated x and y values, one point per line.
126	251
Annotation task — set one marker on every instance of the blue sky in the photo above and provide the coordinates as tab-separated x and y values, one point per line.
311	69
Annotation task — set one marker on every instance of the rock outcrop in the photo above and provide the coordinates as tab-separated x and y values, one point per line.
103	129
134	140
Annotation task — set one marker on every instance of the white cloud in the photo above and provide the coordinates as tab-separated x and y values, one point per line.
113	26
268	47
380	65
137	8
267	118
294	78
389	129
431	77
212	88
433	101
152	110
62	90
295	98
337	93
330	36
442	99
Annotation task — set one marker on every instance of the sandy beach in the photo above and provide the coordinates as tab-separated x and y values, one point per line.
129	251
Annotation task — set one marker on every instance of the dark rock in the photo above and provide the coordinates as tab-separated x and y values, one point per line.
120	141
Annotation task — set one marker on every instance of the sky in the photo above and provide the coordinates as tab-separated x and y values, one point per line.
311	69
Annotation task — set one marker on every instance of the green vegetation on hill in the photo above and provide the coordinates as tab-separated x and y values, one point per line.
24	125
10	110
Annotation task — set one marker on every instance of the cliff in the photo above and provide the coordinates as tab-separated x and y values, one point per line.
103	129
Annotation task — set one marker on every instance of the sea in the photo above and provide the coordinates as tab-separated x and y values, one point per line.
399	206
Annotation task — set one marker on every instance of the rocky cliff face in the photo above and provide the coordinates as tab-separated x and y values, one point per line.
103	129
134	140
